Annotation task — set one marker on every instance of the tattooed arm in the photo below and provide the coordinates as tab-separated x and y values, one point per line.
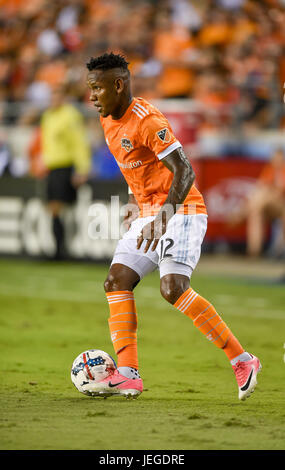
183	178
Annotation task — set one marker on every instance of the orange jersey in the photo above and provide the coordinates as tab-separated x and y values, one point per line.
274	177
139	140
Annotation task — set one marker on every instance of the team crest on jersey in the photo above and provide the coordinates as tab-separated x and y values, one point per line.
126	144
164	135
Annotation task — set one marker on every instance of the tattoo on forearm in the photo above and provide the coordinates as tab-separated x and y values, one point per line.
182	155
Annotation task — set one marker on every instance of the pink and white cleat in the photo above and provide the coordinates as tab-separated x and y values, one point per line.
246	372
116	384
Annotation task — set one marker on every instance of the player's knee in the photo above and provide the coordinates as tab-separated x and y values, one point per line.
172	287
257	204
111	283
115	283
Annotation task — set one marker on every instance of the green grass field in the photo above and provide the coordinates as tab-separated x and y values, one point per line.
52	312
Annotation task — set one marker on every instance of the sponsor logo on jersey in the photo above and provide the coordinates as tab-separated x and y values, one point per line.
164	135
126	144
130	164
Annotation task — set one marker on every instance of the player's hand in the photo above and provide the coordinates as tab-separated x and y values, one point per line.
152	232
132	213
78	179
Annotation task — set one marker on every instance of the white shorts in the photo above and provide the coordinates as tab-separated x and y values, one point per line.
177	252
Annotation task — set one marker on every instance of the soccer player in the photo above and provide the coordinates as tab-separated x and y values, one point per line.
167	234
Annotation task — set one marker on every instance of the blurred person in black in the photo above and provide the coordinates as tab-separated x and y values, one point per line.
66	154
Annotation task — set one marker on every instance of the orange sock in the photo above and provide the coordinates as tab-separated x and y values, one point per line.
207	320
123	327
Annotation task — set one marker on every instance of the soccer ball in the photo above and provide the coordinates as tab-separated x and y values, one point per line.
89	367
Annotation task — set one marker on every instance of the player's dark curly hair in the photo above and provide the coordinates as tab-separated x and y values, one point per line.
107	61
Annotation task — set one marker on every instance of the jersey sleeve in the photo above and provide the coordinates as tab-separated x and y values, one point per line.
157	135
266	175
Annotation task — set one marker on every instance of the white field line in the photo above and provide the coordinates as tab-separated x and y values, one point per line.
258	302
258	307
49	290
36	292
148	296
